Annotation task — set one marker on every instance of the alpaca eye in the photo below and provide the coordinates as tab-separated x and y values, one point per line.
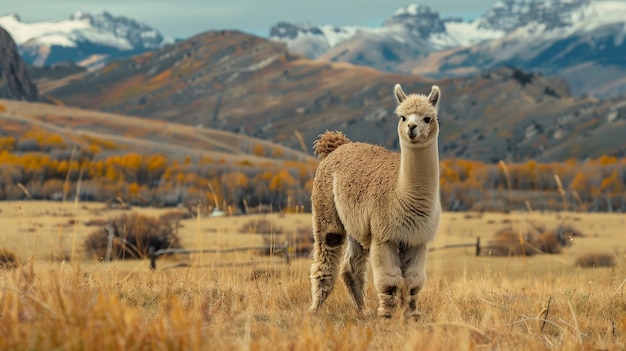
427	119
403	118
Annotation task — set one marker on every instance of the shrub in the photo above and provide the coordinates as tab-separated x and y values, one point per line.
8	259
548	242
569	231
133	236
507	242
596	259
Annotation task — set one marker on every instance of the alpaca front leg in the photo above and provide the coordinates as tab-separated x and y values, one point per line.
414	272
326	255
388	278
353	271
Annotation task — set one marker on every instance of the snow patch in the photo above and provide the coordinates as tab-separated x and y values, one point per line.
335	35
103	29
261	64
411	10
463	34
599	13
23	32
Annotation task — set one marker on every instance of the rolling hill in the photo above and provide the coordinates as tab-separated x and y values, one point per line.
250	86
129	134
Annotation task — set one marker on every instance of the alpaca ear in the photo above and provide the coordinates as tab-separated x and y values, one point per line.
400	95
435	96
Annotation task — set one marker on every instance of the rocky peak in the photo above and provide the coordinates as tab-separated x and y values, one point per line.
286	30
15	83
138	34
418	18
508	15
14	16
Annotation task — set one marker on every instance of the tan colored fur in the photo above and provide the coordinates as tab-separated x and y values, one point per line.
384	204
328	142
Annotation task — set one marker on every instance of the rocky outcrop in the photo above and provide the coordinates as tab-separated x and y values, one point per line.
15	84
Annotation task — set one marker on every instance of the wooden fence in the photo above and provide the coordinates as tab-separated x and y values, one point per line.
456	246
283	250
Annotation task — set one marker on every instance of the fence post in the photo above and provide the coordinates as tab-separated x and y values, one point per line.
478	246
286	252
152	258
107	258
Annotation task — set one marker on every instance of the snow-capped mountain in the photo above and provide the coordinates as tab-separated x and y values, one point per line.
416	25
83	38
566	38
510	15
562	37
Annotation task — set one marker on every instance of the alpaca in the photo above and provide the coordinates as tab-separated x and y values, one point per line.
384	204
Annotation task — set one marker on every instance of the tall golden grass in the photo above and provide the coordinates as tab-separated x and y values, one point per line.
105	308
469	303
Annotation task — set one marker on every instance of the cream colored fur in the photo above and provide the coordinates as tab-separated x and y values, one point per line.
385	205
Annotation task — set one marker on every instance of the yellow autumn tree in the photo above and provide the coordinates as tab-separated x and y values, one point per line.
133	189
580	182
7	143
612	184
258	150
282	181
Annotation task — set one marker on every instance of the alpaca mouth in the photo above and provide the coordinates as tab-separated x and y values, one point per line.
416	138
413	136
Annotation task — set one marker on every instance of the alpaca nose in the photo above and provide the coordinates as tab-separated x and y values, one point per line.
412	126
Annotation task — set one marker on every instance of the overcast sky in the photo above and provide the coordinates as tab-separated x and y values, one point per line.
183	18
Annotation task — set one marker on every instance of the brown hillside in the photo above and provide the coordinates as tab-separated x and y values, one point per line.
237	82
128	133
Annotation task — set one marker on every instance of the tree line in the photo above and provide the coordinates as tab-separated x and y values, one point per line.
39	165
45	168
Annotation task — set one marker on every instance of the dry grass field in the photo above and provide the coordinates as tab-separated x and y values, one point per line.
61	299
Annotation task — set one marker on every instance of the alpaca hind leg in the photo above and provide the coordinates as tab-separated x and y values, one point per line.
329	239
388	279
354	271
414	271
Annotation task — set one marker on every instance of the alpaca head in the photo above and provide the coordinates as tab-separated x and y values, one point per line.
418	125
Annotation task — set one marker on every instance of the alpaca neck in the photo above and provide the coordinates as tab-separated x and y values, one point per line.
419	173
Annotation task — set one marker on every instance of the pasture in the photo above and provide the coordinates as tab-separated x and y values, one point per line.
59	298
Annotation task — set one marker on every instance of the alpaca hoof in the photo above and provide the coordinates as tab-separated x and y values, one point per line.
413	316
385	314
314	308
365	312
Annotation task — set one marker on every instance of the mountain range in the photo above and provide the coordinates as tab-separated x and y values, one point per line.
568	38
248	85
260	88
86	39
